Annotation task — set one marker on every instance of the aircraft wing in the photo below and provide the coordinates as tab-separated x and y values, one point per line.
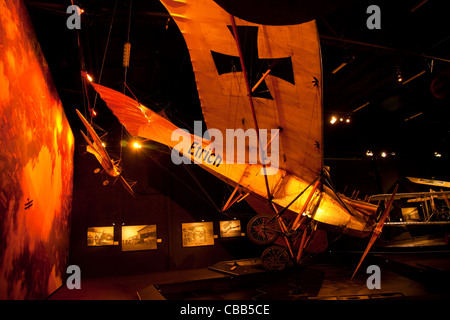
419	195
436	183
288	98
97	143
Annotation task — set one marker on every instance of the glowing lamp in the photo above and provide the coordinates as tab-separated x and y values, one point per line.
333	120
136	145
88	76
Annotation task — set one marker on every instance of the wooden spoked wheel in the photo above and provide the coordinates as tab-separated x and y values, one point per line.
275	258
262	229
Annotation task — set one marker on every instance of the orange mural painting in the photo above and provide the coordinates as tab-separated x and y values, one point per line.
36	165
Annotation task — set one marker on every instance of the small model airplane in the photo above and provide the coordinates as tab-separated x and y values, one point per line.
110	166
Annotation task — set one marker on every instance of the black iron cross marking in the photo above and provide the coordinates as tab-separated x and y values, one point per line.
248	37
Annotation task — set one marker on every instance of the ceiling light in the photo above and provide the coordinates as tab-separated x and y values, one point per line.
343	64
398	72
359	108
333	120
137	145
412	78
412	117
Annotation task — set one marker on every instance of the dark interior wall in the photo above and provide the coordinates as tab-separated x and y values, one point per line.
166	196
375	175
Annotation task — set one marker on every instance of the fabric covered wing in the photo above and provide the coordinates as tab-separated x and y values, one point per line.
289	98
129	112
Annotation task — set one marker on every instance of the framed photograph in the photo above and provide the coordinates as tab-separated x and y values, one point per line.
197	234
100	236
141	237
230	228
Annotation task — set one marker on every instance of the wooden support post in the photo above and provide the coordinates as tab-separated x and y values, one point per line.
283	229
227	204
261	80
296	223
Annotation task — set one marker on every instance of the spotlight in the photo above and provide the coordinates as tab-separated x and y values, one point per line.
413	77
384	154
347	120
398	72
359	108
137	145
437	155
369	153
88	76
343	64
333	120
349	58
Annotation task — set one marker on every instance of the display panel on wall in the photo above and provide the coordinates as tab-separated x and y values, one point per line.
36	165
230	228
197	234
142	237
100	236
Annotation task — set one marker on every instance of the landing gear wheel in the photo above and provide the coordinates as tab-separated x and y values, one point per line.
275	258
262	229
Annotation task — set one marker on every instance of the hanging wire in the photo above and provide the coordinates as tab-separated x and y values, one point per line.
201	187
106	50
125	73
82	66
128	41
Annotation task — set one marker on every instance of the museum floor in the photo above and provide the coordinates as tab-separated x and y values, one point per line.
404	276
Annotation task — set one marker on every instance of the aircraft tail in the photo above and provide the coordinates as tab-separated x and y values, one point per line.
136	118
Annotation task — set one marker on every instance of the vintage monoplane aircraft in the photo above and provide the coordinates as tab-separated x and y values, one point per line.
267	80
418	219
110	166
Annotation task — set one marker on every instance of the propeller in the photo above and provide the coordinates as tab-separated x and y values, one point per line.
377	230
